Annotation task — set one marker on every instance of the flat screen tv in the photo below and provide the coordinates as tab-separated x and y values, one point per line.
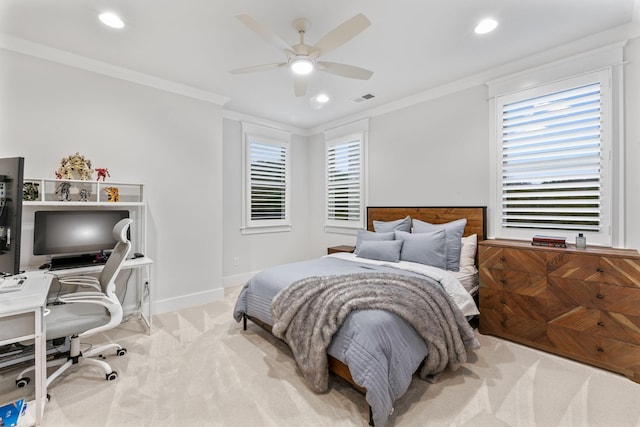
11	176
75	232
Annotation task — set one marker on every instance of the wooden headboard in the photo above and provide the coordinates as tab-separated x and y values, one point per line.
476	216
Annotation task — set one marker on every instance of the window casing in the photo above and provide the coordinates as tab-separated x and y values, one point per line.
266	176
344	187
554	161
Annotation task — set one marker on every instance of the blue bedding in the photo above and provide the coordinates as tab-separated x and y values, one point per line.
381	350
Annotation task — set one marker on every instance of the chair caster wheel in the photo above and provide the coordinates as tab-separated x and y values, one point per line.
112	376
22	382
121	352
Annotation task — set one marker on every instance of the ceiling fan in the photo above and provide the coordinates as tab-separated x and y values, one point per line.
303	58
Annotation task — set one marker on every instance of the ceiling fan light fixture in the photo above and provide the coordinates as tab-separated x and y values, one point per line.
302	66
110	19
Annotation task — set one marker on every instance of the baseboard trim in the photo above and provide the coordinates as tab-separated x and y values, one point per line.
237	279
186	301
199	298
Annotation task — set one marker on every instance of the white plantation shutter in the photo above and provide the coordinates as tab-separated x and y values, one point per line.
266	191
344	188
268	181
552	158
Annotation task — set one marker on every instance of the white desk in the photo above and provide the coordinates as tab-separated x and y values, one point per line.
142	268
22	318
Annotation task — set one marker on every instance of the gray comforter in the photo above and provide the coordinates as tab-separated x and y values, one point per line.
381	349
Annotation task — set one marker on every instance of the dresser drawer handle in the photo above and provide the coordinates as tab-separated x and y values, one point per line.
600	296
600	270
600	349
503	281
600	323
503	302
502	258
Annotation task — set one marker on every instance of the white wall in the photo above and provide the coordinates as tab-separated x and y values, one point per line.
437	152
257	251
431	154
171	143
632	141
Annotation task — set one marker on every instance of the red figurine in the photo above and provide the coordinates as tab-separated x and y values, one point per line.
102	173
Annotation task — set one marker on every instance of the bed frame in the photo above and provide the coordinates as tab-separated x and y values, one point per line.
476	224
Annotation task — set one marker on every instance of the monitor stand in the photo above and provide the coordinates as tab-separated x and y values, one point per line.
75	261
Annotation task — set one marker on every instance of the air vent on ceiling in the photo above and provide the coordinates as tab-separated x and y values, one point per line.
364	97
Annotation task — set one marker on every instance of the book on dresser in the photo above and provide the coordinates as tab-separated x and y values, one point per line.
549	241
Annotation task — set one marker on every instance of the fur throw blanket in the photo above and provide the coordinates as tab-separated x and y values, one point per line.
309	312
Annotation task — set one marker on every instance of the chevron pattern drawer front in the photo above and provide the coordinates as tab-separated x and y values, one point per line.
580	304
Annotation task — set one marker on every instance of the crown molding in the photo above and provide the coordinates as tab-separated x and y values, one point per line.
617	36
243	117
48	53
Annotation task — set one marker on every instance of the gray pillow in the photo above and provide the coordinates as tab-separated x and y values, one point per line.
453	230
370	235
424	248
388	250
403	224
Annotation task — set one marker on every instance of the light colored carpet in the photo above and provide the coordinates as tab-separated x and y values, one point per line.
198	368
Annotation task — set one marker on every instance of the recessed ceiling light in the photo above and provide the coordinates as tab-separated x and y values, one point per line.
322	98
486	26
110	19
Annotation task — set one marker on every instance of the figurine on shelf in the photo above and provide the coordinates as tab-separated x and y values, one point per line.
75	167
30	191
63	192
112	194
102	173
84	195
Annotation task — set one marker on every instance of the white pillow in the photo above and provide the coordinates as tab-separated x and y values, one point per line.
468	251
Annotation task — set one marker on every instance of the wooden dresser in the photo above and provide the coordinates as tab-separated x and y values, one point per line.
581	304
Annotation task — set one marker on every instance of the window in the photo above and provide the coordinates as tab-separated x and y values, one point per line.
266	192
554	160
345	182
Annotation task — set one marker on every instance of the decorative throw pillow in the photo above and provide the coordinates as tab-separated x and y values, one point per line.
388	250
403	224
370	235
424	248
453	230
468	252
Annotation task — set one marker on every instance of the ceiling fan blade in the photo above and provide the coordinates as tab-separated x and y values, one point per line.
300	85
344	70
263	31
255	68
342	34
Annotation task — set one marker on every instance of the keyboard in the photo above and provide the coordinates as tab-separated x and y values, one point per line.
12	283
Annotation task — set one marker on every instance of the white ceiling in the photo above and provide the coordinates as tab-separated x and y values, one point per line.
412	45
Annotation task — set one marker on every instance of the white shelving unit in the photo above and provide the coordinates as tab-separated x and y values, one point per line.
95	192
49	198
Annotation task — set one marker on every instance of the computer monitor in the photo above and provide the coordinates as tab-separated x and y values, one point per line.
75	232
11	180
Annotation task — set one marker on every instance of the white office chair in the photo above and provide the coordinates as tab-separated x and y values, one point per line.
81	314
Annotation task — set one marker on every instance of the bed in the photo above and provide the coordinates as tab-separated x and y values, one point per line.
378	330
